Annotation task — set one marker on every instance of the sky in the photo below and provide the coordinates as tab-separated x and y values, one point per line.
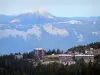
61	8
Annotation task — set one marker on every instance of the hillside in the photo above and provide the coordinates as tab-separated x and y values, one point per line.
81	48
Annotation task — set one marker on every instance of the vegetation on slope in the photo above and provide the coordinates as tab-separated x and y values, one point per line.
81	48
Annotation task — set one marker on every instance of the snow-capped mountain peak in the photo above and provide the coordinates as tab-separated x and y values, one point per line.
40	12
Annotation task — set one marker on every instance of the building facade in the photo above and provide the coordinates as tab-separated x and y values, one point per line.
86	58
71	59
66	59
19	56
39	53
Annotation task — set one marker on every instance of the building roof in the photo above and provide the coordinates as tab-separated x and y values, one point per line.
75	55
39	49
83	55
65	55
52	55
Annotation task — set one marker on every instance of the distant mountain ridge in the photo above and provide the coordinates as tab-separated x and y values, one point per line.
34	17
30	30
40	17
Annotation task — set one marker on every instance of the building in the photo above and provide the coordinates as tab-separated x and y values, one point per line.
52	57
92	51
86	58
39	53
89	51
66	59
96	51
47	62
71	59
69	52
19	56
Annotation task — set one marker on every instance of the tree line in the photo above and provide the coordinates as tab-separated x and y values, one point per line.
11	66
82	48
30	55
54	51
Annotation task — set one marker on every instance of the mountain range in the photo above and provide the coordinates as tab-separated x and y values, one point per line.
26	31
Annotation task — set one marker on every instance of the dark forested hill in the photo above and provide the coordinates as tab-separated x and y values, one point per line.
80	48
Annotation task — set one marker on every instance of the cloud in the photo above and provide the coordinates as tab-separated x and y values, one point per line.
79	36
50	17
69	22
55	31
75	32
14	20
94	22
4	25
74	22
96	33
19	26
35	30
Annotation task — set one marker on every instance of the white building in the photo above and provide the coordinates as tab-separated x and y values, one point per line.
39	53
69	59
86	58
19	56
66	59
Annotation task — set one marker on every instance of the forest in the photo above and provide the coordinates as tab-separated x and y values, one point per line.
11	66
81	48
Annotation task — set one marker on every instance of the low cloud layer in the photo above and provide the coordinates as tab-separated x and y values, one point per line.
55	31
35	30
79	36
74	22
14	20
96	33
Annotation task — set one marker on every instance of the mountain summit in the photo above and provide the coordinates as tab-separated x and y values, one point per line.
35	16
39	11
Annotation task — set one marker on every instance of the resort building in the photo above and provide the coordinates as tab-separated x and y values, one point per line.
86	58
18	56
66	59
39	53
70	59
